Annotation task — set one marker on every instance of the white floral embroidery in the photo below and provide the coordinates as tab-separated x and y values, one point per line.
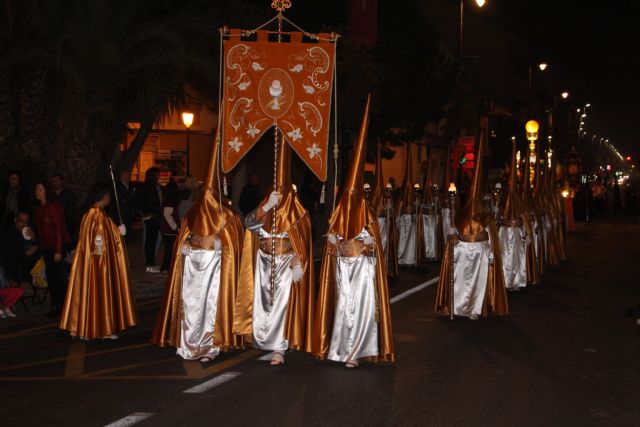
308	89
252	130
314	150
244	85
256	66
296	68
295	134
235	144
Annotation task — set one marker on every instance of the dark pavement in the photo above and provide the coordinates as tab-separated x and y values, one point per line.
566	355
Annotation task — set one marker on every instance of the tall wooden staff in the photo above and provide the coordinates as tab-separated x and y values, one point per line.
452	203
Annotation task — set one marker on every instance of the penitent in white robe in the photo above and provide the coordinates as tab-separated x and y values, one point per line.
471	269
268	319
430	235
407	239
355	330
513	246
200	290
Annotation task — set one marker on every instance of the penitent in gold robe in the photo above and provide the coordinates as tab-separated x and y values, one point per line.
99	300
293	219
167	331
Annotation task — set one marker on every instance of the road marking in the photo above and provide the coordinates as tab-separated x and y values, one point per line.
61	359
29	331
413	290
130	420
75	361
213	382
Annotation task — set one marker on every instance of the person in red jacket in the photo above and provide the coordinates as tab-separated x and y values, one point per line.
53	235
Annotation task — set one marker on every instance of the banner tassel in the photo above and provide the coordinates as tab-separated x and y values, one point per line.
322	194
224	186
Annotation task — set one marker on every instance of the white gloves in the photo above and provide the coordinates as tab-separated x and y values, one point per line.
99	242
274	200
185	250
332	239
122	229
452	231
217	244
297	273
368	240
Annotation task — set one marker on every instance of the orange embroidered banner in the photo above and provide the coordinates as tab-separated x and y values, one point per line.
288	85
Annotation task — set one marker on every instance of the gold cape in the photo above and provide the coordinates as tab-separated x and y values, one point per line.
167	328
326	301
293	219
495	299
99	300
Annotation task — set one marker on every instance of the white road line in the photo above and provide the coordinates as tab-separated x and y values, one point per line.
213	382
130	420
412	291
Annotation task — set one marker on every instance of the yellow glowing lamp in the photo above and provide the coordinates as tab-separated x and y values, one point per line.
187	119
367	187
480	3
452	188
416	186
565	193
543	66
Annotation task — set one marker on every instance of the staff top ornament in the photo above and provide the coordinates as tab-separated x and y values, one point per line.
281	5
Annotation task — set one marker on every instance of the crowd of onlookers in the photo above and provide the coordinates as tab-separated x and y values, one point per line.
40	224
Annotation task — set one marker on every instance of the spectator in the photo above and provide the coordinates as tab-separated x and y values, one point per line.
169	224
185	202
8	296
19	250
53	236
67	200
124	201
251	195
395	191
15	198
150	204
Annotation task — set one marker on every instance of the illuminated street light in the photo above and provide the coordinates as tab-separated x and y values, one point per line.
480	3
543	66
564	95
187	120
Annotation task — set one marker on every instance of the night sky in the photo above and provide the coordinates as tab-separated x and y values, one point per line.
592	49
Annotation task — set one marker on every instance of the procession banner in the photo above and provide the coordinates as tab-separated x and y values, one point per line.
288	85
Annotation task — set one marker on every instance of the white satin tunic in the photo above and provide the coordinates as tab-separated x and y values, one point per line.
200	289
514	256
355	330
406	239
471	270
268	319
430	236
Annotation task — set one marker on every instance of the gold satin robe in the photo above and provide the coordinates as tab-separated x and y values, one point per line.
293	219
327	300
168	323
99	300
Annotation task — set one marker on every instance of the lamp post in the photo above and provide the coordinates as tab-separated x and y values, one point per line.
532	135
187	120
480	3
542	66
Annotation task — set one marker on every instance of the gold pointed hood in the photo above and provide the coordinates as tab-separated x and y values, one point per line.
208	215
378	196
352	212
427	191
511	208
468	220
407	191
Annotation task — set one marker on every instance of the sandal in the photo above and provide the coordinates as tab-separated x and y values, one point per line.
277	359
351	364
208	358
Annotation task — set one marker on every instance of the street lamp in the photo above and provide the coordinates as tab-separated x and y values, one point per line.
480	3
564	95
532	135
542	66
187	120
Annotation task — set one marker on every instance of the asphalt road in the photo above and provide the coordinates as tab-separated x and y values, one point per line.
566	355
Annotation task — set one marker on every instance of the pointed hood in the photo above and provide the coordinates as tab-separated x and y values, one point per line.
539	180
511	207
407	191
467	220
527	194
378	196
352	212
427	191
208	215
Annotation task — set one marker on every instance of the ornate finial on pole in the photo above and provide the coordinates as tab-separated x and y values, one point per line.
281	5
